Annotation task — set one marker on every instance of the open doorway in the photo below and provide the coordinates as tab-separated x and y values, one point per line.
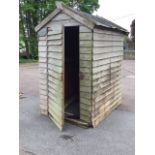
71	82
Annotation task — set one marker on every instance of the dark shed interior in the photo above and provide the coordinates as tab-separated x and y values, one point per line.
71	85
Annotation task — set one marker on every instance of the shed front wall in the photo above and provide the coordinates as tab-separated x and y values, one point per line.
101	53
106	73
51	64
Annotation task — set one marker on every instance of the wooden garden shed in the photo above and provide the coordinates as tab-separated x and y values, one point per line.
80	63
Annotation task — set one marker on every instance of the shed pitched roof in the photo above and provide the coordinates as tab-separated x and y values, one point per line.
91	20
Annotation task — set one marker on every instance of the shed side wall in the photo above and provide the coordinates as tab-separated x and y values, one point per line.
107	57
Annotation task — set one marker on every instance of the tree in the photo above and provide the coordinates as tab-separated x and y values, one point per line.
31	12
88	6
132	26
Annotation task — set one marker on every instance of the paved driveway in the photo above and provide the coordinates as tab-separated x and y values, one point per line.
39	136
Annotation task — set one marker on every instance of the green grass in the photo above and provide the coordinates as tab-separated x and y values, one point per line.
24	61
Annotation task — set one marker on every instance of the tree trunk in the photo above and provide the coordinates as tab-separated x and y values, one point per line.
24	35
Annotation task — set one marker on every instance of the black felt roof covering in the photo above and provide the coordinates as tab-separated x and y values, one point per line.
102	22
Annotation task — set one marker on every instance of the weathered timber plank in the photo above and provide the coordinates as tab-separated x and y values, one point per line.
107	32
106	72
55	74
119	58
101	62
103	112
85	118
86	43
85	50
87	76
85	82
105	89
42	71
105	84
107	55
44	82
105	78
54	80
54	32
61	16
85	101
42	43
55	93
85	63
86	57
55	106
42	76
85	95
84	29
56	25
55	87
85	70
99	36
101	68
67	22
42	65
42	54
42	38
109	98
85	89
55	68
55	48
55	62
106	67
56	55
54	42
55	37
97	50
107	44
55	99
85	106
42	86
107	93
86	36
42	60
85	113
42	32
42	48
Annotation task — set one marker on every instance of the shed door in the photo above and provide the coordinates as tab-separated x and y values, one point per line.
56	76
